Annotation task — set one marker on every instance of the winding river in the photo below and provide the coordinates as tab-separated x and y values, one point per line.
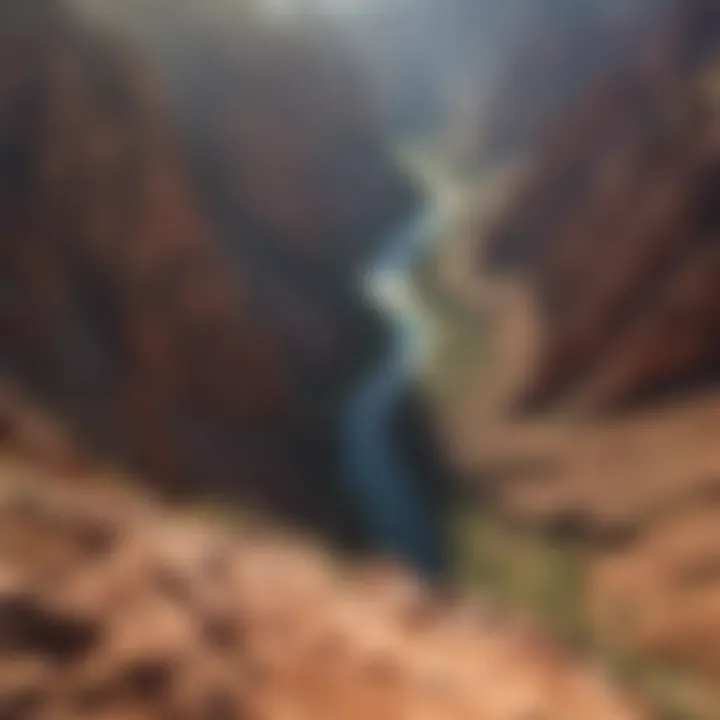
380	477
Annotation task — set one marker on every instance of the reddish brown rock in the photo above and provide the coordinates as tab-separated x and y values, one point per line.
615	228
185	209
107	252
319	641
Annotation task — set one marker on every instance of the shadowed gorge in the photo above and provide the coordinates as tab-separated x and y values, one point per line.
359	359
181	246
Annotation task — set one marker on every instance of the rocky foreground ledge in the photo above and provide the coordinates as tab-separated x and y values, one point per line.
112	609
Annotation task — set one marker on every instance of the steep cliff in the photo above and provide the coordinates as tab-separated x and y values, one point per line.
616	227
181	236
114	293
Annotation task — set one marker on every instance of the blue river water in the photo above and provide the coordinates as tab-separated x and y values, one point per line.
380	477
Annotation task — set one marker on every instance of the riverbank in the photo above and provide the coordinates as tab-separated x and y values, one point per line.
504	545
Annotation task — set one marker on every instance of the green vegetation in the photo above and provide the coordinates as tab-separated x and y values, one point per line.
518	567
458	331
521	569
546	580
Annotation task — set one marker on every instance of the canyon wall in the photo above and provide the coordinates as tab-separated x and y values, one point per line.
184	215
615	227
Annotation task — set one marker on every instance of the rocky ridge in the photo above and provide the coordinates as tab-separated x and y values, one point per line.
614	228
111	607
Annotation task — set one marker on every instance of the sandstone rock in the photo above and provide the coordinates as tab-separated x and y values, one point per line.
350	654
660	592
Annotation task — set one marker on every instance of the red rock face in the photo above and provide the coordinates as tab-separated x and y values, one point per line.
616	228
172	264
105	244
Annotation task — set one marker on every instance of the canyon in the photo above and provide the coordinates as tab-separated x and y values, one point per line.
187	209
